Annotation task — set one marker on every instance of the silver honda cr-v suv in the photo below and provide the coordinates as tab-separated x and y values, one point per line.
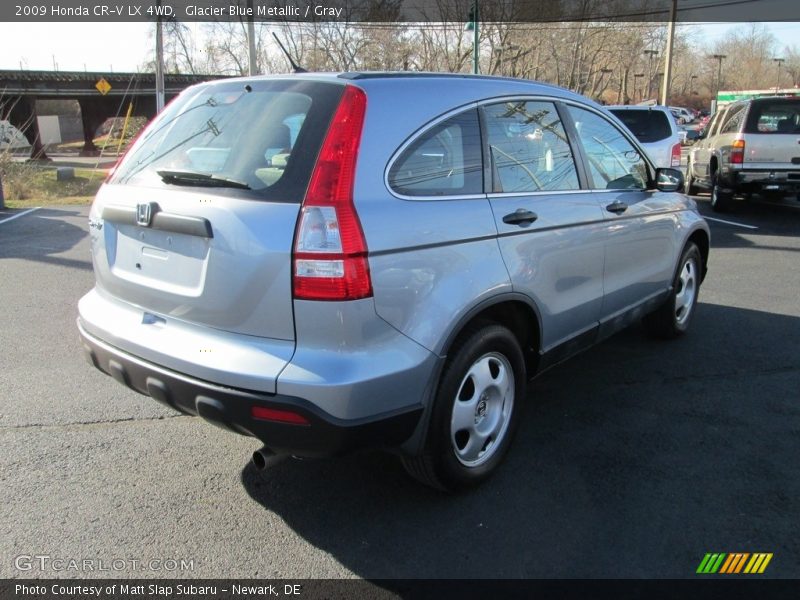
332	262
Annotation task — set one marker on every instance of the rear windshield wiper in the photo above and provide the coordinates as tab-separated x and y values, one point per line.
200	179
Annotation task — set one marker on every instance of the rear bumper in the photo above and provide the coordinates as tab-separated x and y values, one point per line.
766	180
230	408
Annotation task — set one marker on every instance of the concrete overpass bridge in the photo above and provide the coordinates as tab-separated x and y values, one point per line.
19	91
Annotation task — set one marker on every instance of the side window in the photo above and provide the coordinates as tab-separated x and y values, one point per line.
614	163
712	123
443	161
528	148
733	120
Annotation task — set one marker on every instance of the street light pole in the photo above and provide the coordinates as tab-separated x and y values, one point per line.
475	32
779	62
719	58
473	26
159	61
251	41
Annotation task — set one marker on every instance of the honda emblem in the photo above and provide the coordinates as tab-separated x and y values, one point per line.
144	214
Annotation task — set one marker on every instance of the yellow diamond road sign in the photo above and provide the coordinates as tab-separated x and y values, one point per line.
103	86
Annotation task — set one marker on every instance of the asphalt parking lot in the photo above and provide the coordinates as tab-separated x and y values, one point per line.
634	459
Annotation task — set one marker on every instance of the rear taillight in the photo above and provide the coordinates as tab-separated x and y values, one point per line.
329	261
675	158
737	152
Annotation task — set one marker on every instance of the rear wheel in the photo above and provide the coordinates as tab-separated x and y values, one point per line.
720	200
673	317
475	412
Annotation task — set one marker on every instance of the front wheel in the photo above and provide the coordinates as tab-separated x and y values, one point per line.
475	412
672	318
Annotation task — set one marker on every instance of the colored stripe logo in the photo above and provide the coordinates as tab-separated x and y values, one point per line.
734	563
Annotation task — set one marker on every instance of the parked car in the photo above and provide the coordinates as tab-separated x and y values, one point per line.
656	130
331	262
684	115
749	146
690	136
11	138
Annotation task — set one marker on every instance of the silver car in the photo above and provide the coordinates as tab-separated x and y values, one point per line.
364	260
750	146
656	130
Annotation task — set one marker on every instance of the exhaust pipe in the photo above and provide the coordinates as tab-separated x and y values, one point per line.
265	458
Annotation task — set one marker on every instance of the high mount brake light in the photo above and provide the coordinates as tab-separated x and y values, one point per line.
329	260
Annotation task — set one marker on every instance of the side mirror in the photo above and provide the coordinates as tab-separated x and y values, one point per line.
669	180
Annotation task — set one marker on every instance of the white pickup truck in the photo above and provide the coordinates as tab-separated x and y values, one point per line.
751	146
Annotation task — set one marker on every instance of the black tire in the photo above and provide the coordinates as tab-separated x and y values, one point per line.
720	201
672	318
444	461
688	184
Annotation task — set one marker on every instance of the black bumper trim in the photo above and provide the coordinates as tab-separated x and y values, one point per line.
230	408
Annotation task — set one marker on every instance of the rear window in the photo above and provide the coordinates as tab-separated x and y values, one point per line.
252	139
647	125
776	116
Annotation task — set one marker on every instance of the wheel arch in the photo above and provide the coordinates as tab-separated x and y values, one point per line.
713	165
513	310
702	240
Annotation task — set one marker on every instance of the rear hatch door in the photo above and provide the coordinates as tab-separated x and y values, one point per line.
197	222
772	135
653	130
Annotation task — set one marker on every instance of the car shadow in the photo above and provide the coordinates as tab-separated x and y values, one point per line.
769	219
633	459
43	236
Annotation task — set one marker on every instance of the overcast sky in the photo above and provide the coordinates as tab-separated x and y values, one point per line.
125	46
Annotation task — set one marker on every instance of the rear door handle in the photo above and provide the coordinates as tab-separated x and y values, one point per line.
617	207
520	217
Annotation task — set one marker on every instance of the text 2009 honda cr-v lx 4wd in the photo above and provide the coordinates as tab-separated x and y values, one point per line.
331	262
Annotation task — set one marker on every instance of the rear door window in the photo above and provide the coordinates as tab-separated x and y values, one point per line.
528	148
443	161
257	139
647	125
777	116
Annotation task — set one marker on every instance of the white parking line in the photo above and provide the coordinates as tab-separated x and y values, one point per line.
730	223
18	215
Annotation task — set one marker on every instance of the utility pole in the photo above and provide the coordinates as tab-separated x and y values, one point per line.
159	60
651	54
251	40
779	62
691	84
719	58
668	56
